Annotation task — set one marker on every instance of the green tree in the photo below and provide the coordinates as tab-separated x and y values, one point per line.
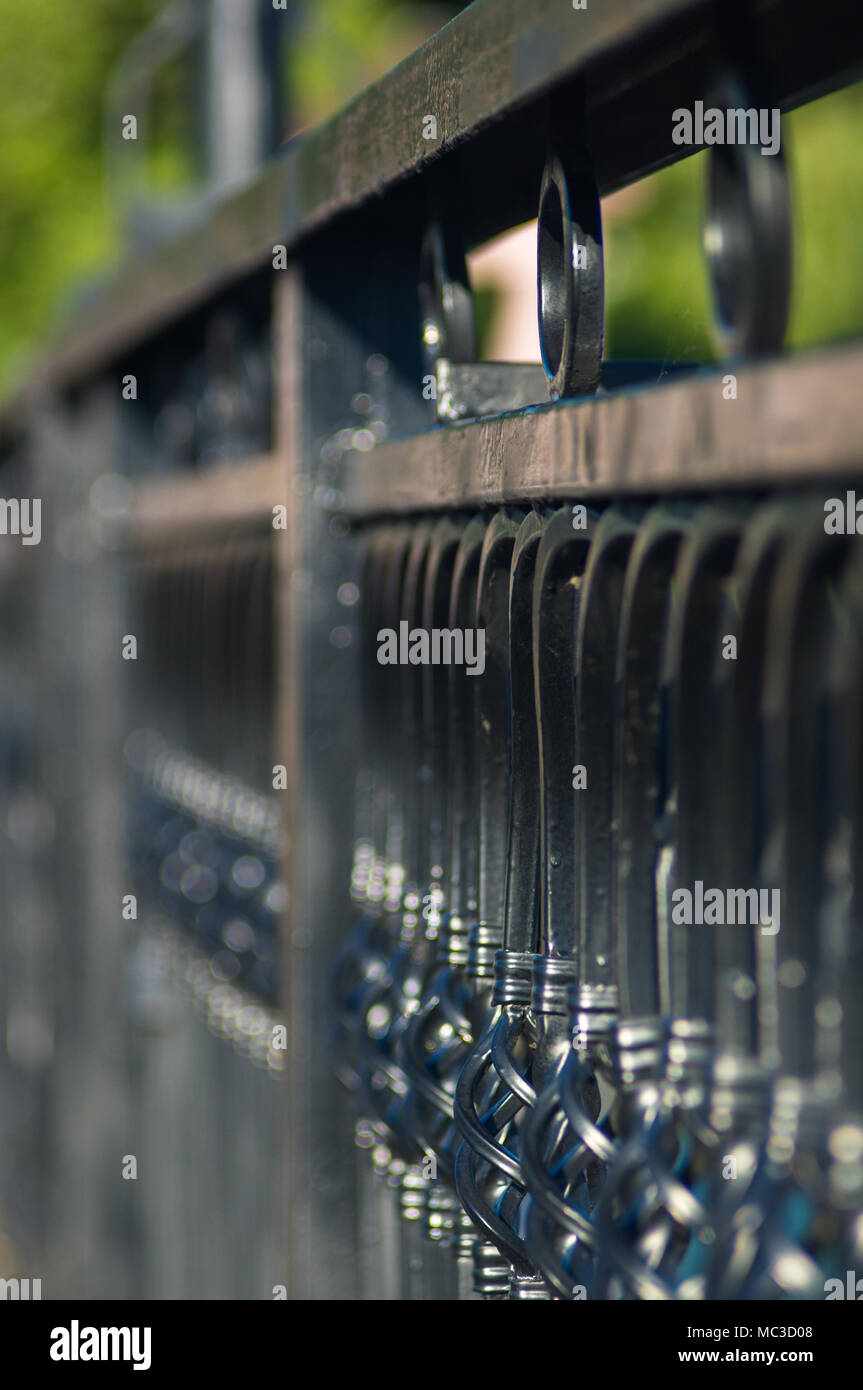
55	226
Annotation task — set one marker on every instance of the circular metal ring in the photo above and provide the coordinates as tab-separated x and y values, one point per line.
445	298
570	278
747	238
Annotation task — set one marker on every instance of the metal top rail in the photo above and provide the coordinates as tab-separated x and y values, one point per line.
684	431
495	79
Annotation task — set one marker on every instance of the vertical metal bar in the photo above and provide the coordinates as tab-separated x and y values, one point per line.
241	110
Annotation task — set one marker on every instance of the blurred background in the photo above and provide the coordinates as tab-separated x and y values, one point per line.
60	226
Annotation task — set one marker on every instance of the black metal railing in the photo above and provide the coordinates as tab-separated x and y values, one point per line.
537	1015
576	636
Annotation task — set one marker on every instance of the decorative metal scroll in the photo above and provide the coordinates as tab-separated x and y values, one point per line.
597	1008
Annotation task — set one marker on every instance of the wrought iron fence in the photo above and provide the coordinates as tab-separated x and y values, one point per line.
596	1009
599	997
492	777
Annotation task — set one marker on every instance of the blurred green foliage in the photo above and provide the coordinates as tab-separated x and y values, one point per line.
657	292
342	45
54	222
56	226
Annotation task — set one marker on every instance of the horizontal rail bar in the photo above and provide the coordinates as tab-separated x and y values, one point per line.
488	77
227	496
679	435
